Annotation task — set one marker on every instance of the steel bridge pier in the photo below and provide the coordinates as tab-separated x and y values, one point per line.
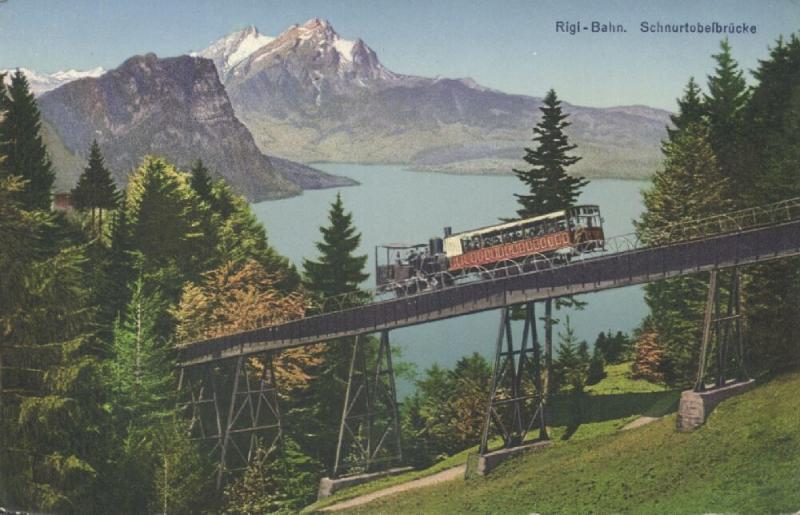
232	407
722	333
369	431
516	403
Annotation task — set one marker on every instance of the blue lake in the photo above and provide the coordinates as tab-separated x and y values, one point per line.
395	205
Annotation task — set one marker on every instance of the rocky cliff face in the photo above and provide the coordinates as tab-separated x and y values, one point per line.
174	107
310	95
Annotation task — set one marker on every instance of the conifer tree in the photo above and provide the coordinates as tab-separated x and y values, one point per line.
95	190
724	105
772	119
201	181
550	188
337	271
689	187
51	394
270	485
141	372
596	371
120	264
162	469
690	109
21	144
166	221
572	364
241	237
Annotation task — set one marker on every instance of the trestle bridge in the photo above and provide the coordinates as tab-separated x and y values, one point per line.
232	399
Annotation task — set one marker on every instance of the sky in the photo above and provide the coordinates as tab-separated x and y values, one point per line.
509	45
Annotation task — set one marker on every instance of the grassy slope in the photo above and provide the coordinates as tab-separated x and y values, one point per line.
613	402
745	459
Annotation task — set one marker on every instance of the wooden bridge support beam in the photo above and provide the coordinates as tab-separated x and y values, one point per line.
516	401
369	431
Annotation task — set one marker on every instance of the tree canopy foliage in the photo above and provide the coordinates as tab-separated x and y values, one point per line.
21	143
550	188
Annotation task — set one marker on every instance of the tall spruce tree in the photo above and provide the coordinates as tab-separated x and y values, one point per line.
724	105
772	129
21	144
690	109
168	224
689	186
53	426
95	190
201	181
337	271
550	188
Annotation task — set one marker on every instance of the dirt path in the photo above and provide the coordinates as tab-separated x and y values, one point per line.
439	477
639	422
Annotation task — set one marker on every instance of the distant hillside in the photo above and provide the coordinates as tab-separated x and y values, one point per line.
176	108
310	95
744	460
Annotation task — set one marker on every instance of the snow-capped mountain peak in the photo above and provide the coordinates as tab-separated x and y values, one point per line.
234	48
43	82
314	46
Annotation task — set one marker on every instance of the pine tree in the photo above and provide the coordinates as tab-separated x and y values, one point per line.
166	221
120	265
201	181
21	144
689	187
142	384
95	190
690	110
724	105
53	427
550	188
596	371
241	237
337	271
572	364
141	370
772	130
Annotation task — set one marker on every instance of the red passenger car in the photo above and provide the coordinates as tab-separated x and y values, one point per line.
574	229
558	234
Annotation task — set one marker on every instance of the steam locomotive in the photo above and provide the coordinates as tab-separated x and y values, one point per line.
554	236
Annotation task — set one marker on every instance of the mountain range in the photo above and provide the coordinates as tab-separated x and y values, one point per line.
42	82
254	107
174	107
310	95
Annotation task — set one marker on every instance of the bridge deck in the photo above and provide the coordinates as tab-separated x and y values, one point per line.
605	272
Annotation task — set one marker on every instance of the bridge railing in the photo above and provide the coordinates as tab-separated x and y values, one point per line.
784	211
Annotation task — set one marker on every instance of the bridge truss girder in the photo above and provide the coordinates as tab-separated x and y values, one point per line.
516	402
722	333
369	431
232	407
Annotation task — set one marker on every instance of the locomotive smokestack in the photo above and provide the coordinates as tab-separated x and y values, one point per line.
448	231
